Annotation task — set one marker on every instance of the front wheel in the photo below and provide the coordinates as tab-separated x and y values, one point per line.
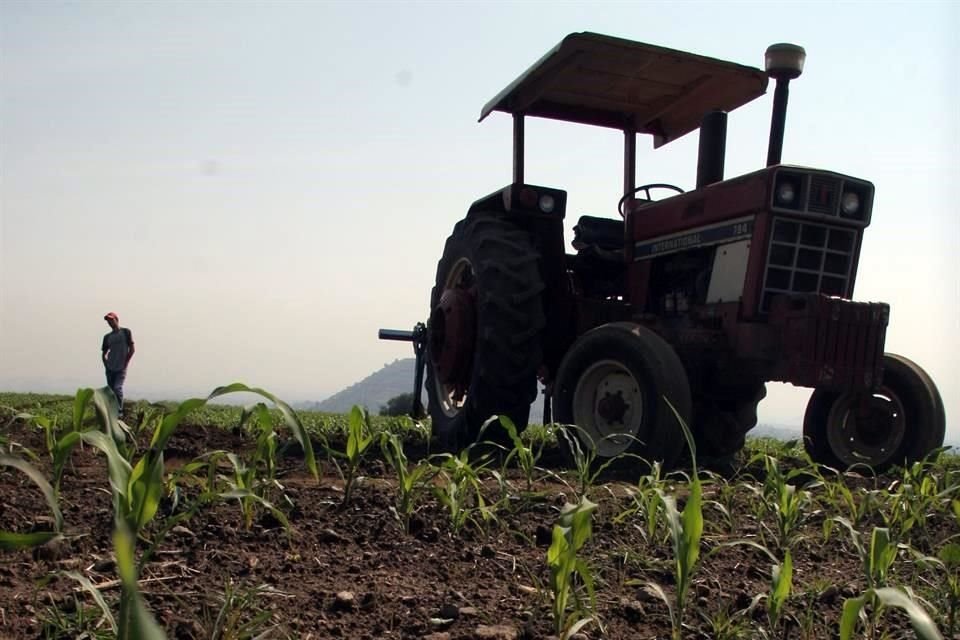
901	422
612	385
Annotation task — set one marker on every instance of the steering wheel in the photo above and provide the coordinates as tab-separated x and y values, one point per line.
646	189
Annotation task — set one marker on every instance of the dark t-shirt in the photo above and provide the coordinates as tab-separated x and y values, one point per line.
116	345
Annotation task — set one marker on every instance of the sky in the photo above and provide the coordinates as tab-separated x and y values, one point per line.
256	188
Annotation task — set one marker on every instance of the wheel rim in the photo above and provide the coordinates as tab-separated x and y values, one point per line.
608	408
452	337
866	429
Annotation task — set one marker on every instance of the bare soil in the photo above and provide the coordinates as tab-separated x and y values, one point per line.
352	572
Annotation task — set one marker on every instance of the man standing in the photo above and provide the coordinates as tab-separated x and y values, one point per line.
117	349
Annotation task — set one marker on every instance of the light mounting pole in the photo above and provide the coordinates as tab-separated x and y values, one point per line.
783	62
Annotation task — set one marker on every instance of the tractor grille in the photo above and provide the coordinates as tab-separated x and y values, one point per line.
807	257
823	195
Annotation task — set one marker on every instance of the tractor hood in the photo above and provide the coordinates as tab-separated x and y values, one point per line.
611	82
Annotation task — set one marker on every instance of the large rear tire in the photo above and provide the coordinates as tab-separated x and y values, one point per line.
611	385
901	422
484	339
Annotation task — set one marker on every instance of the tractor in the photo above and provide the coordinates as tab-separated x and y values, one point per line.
684	306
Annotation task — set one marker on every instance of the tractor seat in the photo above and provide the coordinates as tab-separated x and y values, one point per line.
604	233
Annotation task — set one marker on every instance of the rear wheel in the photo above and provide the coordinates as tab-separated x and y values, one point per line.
611	385
486	319
901	422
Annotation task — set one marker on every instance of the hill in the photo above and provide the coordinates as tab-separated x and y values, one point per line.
373	391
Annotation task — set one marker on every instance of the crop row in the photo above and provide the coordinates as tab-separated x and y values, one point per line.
903	527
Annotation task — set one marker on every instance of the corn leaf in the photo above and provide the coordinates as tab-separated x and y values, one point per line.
80	402
920	620
97	596
782	578
692	525
105	402
145	489
292	421
48	494
246	494
61	452
851	612
10	541
117	466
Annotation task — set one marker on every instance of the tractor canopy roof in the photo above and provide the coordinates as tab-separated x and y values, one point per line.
611	82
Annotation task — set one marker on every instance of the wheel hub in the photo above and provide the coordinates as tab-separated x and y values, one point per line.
608	407
611	407
452	337
870	428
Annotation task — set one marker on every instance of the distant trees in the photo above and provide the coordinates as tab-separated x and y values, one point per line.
398	405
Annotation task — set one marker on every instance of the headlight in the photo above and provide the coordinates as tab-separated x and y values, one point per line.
786	193
850	204
547	203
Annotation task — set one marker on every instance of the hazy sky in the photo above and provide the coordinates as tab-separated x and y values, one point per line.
255	188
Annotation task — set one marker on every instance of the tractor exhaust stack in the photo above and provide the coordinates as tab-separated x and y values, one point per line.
713	148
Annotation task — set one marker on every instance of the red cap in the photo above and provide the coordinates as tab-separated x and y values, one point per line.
111	316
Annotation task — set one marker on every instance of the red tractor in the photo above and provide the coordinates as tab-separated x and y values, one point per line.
699	297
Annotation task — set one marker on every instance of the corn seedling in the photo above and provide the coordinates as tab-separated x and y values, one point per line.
246	488
920	620
584	458
237	614
646	501
877	561
568	571
359	439
411	482
76	620
264	457
917	495
461	490
137	488
878	558
782	501
949	557
524	455
686	529
781	585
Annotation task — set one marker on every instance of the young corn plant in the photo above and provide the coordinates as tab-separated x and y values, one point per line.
781	583
254	479
411	482
923	625
237	614
523	454
876	560
137	488
949	556
247	488
789	504
359	439
686	530
781	586
922	491
585	466
461	491
569	573
646	501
